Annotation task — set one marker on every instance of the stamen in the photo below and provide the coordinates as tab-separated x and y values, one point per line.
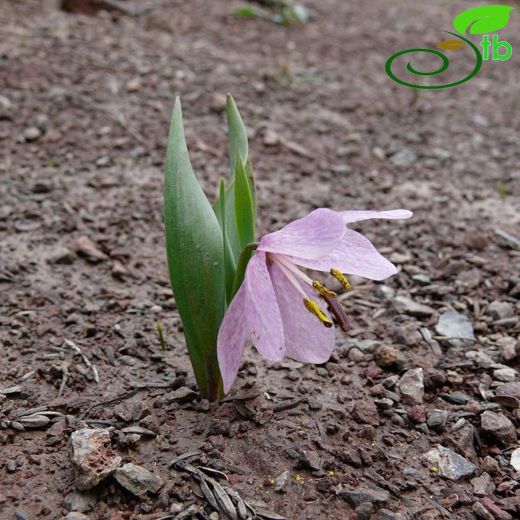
291	267
339	312
341	278
288	273
314	308
323	290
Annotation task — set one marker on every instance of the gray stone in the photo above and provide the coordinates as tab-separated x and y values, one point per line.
5	104
280	481
500	310
133	85
480	358
82	502
182	395
422	279
384	403
499	426
176	508
411	386
311	460
509	390
367	346
450	464
386	514
61	255
356	497
483	485
74	515
271	138
505	374
364	511
384	292
508	239
399	257
85	247
509	348
515	459
138	480
405	305
452	324
480	120
404	157
437	419
32	133
92	457
464	439
481	512
218	102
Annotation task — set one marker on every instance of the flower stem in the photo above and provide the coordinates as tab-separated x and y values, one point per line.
243	260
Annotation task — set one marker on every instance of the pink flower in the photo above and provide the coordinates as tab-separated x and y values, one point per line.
276	305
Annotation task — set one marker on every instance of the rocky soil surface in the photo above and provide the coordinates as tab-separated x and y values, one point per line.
417	413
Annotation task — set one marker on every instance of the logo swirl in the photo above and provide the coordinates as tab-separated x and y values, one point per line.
443	67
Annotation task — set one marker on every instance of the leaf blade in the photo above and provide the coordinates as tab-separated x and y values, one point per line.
229	260
238	145
194	247
244	206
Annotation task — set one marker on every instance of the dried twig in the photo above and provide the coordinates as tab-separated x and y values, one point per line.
221	498
114	400
85	359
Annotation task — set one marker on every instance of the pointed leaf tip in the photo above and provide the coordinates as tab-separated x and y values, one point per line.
238	144
195	256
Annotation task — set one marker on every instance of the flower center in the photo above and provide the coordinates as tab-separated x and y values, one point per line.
297	278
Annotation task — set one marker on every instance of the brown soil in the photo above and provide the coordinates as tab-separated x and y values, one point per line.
84	114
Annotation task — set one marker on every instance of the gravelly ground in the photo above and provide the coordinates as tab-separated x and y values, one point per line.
84	110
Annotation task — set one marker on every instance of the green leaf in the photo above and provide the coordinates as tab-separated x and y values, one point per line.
251	12
238	148
240	272
252	183
502	191
481	20
229	260
194	245
232	236
237	135
244	206
219	207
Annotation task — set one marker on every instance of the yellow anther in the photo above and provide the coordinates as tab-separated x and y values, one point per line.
323	290
314	308
341	278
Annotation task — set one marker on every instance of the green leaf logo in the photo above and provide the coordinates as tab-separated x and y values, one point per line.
481	20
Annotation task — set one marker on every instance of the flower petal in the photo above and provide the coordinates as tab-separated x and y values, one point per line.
263	314
355	255
306	338
356	216
232	338
309	237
